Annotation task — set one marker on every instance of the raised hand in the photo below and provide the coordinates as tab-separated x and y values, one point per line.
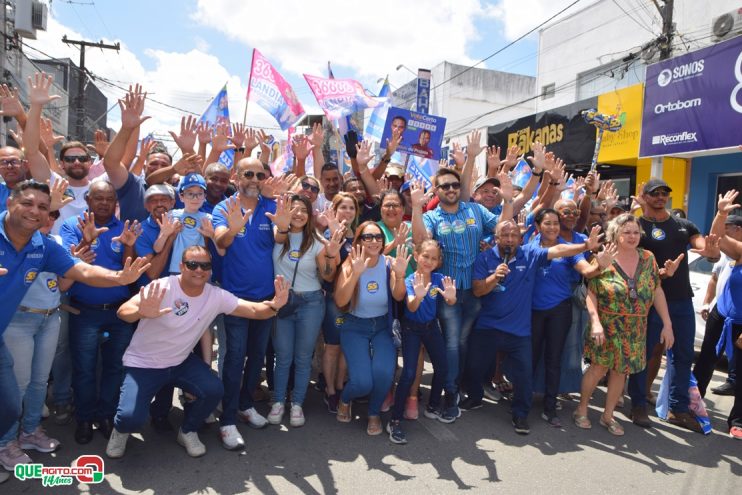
273	187
474	143
206	228
38	89
282	217
332	247
10	102
150	300
668	270
132	107
329	218
301	147
606	255
129	234
47	133
449	289
458	155
512	158
400	234
593	240
358	260
132	270
710	248
592	182
168	225
317	136
506	186
235	218
363	153
186	140
189	162
281	293
203	132
392	144
58	197
238	135
101	143
401	260
419	286
637	202
87	226
726	202
538	160
493	159
417	194
220	142
84	253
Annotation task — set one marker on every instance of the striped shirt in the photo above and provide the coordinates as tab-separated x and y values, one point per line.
459	235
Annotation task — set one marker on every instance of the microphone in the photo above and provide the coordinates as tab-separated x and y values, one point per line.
507	254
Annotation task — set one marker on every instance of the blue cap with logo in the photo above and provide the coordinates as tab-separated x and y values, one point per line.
191	180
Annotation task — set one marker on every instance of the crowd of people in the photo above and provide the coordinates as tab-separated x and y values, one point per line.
127	275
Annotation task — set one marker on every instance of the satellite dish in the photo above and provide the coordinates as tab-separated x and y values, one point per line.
723	25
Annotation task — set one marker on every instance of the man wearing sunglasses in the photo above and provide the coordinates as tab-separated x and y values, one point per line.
243	227
13	170
173	315
668	237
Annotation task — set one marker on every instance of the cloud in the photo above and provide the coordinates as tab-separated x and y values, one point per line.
520	16
367	39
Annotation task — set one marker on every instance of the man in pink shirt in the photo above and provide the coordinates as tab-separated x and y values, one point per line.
173	315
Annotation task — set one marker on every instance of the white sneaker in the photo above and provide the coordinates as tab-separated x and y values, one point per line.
45	412
4	475
116	444
296	416
253	418
231	438
192	443
276	414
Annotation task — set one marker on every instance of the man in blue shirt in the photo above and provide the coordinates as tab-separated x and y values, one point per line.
13	170
97	328
243	227
24	253
504	278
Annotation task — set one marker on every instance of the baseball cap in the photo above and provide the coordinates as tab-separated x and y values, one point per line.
159	189
734	220
484	180
654	184
395	170
190	180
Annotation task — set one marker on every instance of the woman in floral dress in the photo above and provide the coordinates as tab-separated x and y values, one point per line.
618	302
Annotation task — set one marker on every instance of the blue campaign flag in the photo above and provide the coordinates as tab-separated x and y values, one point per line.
375	126
216	113
422	169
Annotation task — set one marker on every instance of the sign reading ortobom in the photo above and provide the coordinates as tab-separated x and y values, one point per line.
693	102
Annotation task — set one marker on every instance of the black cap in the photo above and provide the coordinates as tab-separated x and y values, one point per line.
654	184
734	220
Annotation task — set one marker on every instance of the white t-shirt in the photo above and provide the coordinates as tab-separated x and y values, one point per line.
722	268
73	209
307	278
168	340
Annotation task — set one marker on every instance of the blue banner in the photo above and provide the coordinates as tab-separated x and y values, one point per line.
422	169
422	134
375	126
216	113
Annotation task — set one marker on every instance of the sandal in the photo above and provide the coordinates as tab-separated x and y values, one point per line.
504	386
582	422
374	426
344	414
613	427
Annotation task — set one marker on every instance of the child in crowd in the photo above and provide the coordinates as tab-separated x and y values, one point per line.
420	326
197	225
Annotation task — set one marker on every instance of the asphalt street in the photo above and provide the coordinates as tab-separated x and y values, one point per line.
479	453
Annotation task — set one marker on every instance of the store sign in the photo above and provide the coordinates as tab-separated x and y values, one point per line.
626	104
562	130
694	102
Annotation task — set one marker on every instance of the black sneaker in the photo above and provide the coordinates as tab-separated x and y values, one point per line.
396	435
521	426
320	383
725	388
470	404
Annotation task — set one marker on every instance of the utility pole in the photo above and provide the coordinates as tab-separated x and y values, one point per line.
80	103
667	28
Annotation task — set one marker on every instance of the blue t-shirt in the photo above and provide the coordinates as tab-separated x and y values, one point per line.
189	236
108	254
510	310
428	306
459	234
41	254
247	266
373	291
145	246
131	198
44	292
4	195
554	282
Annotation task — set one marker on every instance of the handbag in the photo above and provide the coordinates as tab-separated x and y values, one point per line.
292	303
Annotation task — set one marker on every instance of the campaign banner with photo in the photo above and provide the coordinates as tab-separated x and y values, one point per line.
422	169
422	133
218	113
694	102
340	97
270	90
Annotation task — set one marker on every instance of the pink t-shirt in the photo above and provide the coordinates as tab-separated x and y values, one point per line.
168	340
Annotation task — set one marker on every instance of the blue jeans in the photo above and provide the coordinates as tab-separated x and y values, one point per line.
369	351
684	329
62	365
549	330
141	384
32	340
332	321
293	340
483	348
91	331
244	338
413	335
10	405
457	322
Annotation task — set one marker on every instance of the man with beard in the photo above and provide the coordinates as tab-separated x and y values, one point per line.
243	227
13	170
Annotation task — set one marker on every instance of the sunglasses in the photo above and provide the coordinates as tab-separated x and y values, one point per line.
661	192
309	187
249	174
451	185
203	265
79	158
372	237
632	289
569	212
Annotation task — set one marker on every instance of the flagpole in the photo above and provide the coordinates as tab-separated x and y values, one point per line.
247	99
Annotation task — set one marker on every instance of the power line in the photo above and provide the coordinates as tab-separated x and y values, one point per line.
632	18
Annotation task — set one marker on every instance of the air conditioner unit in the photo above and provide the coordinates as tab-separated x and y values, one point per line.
726	25
23	19
39	13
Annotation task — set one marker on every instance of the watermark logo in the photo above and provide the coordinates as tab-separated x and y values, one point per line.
86	469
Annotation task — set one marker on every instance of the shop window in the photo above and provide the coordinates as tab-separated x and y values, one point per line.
548	91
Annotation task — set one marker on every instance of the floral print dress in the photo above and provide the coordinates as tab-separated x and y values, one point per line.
623	305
